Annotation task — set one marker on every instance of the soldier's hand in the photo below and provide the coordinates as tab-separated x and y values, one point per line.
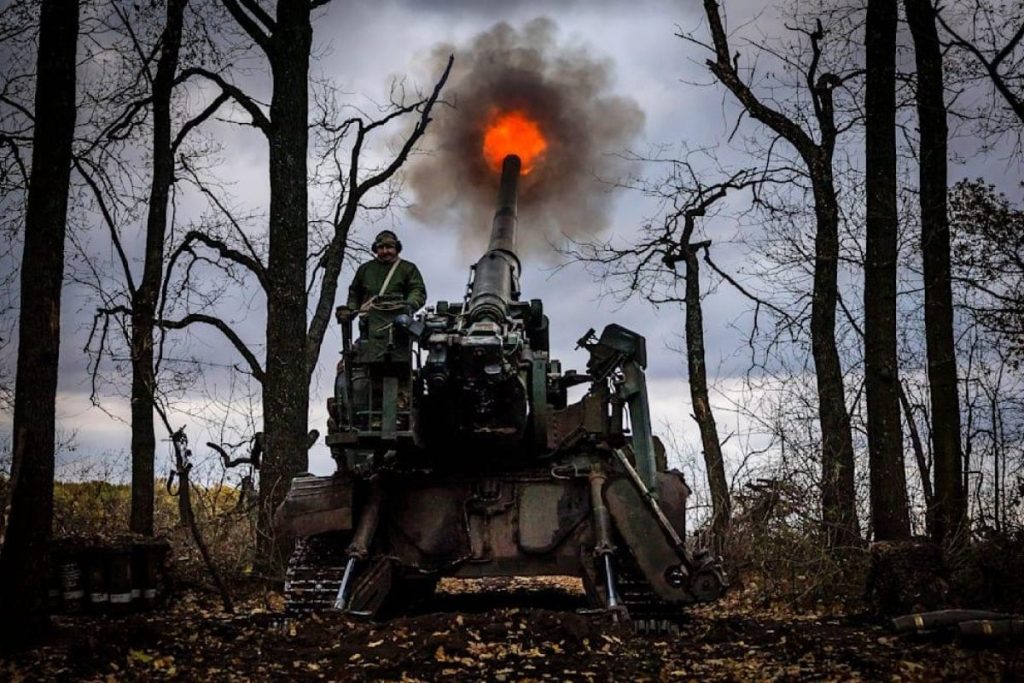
344	314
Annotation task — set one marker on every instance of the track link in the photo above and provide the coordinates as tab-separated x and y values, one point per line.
650	614
314	574
318	563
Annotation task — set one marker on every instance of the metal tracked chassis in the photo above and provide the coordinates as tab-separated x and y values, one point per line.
577	519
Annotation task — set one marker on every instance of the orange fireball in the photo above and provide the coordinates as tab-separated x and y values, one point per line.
513	132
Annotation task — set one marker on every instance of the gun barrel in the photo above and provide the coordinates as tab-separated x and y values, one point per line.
503	229
497	272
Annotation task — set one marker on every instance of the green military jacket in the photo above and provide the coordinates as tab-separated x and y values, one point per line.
406	283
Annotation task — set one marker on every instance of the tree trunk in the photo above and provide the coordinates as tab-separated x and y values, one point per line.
145	299
721	507
24	556
838	495
951	513
922	461
286	388
890	518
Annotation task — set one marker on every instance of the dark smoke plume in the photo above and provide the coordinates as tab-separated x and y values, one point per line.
566	91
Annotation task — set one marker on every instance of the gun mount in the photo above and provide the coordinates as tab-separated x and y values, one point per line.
473	371
459	454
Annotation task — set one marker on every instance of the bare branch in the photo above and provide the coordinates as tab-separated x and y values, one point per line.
259	119
725	70
215	200
146	57
991	66
743	290
16	154
108	219
425	106
198	120
22	109
259	34
233	462
225	329
225	251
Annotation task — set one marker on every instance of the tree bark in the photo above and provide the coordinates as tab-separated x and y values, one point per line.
144	301
24	556
838	489
285	387
950	502
890	518
697	369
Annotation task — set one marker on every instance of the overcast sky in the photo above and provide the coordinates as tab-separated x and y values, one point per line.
363	47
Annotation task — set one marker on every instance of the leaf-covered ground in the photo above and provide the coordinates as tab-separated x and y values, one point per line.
527	630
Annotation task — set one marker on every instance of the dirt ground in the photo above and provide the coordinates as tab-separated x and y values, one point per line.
494	630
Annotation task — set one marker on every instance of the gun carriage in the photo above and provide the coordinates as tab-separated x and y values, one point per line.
459	454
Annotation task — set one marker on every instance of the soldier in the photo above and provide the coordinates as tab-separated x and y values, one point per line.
386	276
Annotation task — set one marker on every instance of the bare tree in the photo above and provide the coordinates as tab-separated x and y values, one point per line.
890	517
144	297
291	348
286	41
23	558
837	457
142	95
697	373
951	519
988	271
988	255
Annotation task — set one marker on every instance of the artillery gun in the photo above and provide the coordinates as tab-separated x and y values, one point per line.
458	454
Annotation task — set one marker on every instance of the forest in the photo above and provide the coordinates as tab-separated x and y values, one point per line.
836	491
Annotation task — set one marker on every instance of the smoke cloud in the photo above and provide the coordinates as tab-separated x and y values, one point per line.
566	90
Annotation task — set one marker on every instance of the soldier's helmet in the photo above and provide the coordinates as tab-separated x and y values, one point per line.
386	237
